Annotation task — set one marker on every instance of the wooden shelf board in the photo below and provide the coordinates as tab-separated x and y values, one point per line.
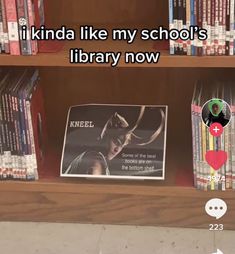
110	204
61	59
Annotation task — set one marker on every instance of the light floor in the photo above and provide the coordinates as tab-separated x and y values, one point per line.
48	238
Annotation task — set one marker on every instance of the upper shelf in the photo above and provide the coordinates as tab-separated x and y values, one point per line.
61	59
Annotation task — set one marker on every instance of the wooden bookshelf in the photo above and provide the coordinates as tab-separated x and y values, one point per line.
173	202
61	59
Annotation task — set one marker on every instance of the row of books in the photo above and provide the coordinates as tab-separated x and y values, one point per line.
205	177
215	16
14	15
21	118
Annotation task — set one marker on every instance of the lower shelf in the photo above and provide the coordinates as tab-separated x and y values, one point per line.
173	202
110	204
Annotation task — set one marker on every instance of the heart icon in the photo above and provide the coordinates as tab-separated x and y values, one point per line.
216	159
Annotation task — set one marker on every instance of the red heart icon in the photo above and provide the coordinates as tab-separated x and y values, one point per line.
216	159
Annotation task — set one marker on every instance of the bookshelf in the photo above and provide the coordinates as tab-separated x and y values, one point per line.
150	203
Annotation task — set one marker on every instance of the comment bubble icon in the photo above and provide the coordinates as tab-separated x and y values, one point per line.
216	208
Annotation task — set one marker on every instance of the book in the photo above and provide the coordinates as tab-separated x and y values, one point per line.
11	15
115	141
22	124
23	21
206	94
216	17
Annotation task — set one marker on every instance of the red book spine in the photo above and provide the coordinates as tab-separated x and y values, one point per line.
199	23
31	16
12	24
5	29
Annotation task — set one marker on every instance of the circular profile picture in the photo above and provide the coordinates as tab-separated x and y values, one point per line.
216	111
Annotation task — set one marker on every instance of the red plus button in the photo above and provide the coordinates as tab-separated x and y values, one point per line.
216	129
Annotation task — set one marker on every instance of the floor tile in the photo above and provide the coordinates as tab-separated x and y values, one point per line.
225	241
151	240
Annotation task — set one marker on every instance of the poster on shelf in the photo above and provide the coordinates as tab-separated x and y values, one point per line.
115	141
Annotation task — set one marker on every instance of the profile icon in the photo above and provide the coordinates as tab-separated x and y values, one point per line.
216	111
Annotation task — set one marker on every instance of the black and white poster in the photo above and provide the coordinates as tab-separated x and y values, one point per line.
115	141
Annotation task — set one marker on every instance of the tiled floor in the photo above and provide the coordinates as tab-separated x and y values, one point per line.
46	238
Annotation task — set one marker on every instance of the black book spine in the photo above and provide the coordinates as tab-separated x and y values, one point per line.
180	25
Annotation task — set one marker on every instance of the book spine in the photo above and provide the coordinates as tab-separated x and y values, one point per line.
18	128
13	32
194	143
212	172
199	22
5	28
227	28
193	23
196	24
198	143
233	146
204	24
212	28
204	164
216	39
208	18
23	21
23	133
12	132
30	8
175	22
28	140
184	26
1	30
9	143
188	23
180	25
32	170
233	29
171	25
220	32
224	26
226	149
2	146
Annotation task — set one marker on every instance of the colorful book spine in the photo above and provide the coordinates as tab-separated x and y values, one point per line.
231	41
192	23
13	33
188	23
204	24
